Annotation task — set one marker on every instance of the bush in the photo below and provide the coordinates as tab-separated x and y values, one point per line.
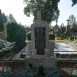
5	48
72	37
16	33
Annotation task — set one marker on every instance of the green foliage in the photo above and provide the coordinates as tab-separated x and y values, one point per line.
52	73
1	22
62	28
72	19
49	13
72	37
16	33
34	72
5	48
74	2
74	29
27	72
6	73
64	36
11	18
4	18
72	24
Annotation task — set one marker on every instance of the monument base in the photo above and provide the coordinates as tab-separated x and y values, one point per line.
47	62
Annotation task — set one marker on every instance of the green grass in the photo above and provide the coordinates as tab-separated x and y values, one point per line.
67	41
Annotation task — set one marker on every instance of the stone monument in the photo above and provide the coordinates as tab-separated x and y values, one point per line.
40	48
68	27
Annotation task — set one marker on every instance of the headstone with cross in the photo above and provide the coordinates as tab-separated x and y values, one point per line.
40	48
40	34
39	7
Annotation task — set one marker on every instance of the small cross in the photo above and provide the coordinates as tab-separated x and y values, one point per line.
39	7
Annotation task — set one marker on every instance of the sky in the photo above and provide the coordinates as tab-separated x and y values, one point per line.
16	7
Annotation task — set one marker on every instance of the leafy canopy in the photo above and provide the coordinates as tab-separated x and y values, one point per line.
49	13
15	32
3	20
74	2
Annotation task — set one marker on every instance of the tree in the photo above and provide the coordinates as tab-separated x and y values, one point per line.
16	33
4	18
1	22
74	2
49	13
62	28
72	21
74	29
11	18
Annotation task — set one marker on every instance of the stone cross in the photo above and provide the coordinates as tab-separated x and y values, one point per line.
39	7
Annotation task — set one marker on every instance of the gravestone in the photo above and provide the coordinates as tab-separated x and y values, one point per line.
40	48
68	27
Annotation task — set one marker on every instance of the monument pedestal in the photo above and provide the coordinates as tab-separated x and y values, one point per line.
40	48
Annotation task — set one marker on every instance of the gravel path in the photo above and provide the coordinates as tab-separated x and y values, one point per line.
73	46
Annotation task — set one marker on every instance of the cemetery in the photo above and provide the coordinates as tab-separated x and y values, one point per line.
38	51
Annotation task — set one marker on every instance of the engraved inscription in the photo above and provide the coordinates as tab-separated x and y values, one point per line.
40	40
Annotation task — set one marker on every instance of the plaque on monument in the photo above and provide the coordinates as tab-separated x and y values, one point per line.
40	40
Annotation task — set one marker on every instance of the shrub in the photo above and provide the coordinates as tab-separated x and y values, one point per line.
16	33
5	48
